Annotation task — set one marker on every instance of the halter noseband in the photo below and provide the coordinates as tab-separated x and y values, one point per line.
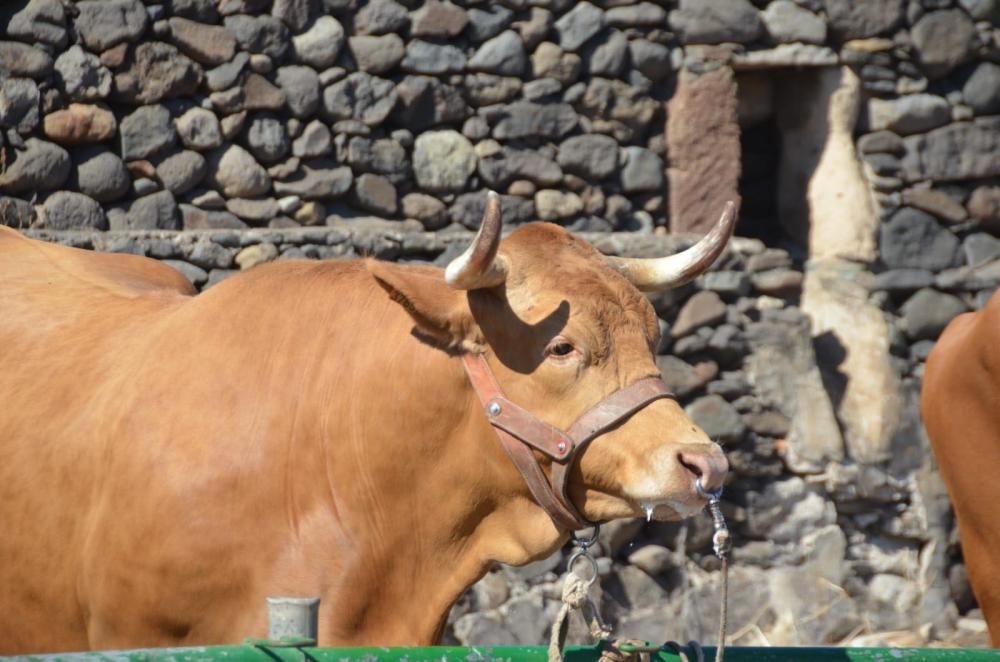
520	431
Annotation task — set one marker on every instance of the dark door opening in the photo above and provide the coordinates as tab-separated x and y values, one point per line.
760	147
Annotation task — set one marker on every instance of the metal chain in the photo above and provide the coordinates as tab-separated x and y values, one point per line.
721	544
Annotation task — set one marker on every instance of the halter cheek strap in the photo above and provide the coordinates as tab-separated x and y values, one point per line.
520	431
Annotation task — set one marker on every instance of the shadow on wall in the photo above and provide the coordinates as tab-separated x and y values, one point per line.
799	163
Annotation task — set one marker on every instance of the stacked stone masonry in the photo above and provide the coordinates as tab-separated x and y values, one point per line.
219	134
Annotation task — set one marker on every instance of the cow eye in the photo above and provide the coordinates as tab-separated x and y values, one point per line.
560	348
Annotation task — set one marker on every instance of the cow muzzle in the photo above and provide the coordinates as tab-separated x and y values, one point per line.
519	432
674	481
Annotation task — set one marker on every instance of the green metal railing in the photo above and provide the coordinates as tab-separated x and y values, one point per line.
267	652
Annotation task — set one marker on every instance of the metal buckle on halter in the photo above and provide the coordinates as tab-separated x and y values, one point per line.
521	433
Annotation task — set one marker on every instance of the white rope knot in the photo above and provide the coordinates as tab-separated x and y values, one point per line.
574	593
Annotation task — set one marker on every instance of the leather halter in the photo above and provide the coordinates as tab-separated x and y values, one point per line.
520	431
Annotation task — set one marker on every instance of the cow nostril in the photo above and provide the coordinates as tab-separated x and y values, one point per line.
710	467
690	466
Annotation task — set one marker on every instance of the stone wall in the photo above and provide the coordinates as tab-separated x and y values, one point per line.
218	134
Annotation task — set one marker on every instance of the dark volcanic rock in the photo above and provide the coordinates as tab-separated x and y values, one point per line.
82	76
19	104
935	202
787	22
487	89
499	169
377	54
719	419
296	14
267	139
260	34
682	378
226	75
487	21
578	25
233	172
40	21
982	90
914	113
424	57
984	205
147	131
716	21
182	171
857	20
914	239
608	55
320	44
525	119
24	60
641	171
300	85
207	44
317	180
928	311
199	129
102	24
157	71
503	55
903	280
315	141
439	20
881	141
360	96
376	194
965	150
157	211
943	40
592	156
100	173
381	17
40	166
15	212
203	11
193	218
384	156
425	101
67	210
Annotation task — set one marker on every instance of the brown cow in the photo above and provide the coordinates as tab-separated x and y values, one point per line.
960	402
310	428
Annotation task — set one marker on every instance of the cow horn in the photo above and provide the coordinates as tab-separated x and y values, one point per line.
479	266
663	273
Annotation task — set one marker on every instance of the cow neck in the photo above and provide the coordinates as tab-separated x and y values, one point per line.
520	432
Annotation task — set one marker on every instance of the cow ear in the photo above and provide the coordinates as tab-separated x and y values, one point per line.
441	313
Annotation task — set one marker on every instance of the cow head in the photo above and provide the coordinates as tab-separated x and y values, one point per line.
564	327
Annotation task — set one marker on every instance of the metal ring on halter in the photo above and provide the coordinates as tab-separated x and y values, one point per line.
584	544
583	554
707	494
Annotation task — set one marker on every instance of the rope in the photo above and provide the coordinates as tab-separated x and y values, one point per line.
575	596
611	652
720	650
